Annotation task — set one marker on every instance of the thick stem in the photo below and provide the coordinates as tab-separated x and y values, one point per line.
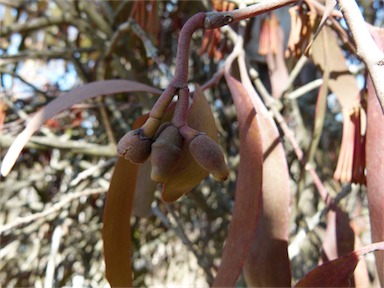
181	111
182	56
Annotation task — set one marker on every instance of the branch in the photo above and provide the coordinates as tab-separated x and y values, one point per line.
367	49
39	23
43	54
39	142
20	221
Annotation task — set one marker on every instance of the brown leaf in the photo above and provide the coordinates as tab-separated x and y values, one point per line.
117	224
339	236
375	162
63	102
277	68
248	189
188	173
117	220
329	6
268	263
144	191
338	272
341	81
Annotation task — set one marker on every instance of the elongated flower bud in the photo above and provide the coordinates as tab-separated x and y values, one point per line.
209	156
134	147
166	151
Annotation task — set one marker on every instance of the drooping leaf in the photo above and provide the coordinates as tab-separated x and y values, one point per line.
339	237
117	224
278	72
63	102
268	263
117	220
337	273
350	165
144	191
188	173
248	189
375	162
145	187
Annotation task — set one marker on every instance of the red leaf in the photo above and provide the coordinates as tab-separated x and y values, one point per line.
277	67
375	162
339	236
337	273
248	189
63	102
268	263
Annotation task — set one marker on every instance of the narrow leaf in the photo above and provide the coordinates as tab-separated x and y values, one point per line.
144	191
278	72
375	163
145	187
268	263
337	273
117	224
63	102
248	189
117	220
339	237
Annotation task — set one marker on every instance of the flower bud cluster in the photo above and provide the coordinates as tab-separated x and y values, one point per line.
166	148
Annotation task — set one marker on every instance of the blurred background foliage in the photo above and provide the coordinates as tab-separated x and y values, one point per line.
51	203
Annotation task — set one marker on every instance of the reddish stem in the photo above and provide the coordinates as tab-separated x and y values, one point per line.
201	20
181	111
182	56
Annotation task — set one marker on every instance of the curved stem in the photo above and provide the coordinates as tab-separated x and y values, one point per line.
181	73
210	20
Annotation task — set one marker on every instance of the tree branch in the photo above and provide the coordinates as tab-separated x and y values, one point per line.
367	49
39	142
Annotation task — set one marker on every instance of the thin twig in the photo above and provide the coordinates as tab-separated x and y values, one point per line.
22	221
43	22
184	238
52	260
296	70
305	89
42	142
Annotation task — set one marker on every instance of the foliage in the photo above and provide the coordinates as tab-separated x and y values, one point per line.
280	108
